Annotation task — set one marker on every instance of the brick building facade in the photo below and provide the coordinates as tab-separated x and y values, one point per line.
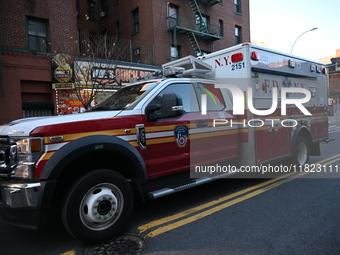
153	31
30	32
167	26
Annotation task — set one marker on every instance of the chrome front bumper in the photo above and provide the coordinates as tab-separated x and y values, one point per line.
26	204
17	195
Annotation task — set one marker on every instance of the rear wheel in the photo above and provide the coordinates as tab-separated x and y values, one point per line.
97	206
301	151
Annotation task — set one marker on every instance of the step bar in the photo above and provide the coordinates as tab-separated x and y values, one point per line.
179	187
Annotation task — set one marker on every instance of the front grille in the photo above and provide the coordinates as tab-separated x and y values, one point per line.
8	156
4	140
4	156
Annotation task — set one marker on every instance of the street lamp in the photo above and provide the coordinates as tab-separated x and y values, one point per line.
314	28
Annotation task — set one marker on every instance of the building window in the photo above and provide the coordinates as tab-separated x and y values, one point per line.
92	10
174	52
136	55
173	15
221	27
37	31
104	8
237	6
78	9
202	23
135	21
238	34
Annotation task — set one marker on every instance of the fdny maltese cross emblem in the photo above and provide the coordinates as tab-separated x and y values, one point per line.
181	135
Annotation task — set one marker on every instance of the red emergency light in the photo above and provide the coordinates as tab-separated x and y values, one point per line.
236	57
255	56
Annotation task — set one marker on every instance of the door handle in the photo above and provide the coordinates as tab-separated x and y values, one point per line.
202	124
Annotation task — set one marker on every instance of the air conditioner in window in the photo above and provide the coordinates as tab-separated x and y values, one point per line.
102	14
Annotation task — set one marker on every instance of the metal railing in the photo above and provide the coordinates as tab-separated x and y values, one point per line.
211	2
193	25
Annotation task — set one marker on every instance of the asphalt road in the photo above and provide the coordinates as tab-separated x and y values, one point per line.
295	215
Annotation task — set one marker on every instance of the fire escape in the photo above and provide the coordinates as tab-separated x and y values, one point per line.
196	27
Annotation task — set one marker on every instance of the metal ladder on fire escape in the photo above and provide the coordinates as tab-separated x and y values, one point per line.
194	44
202	26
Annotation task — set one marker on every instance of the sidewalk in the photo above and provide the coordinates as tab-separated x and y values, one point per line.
333	119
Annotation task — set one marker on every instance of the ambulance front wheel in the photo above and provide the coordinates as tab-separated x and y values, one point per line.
301	151
97	206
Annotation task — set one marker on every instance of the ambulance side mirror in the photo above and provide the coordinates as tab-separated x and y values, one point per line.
172	105
152	112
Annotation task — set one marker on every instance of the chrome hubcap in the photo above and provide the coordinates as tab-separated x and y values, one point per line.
101	206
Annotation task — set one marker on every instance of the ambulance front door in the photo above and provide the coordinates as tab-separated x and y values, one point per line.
175	141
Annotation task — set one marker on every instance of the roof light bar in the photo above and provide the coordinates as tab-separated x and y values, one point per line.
170	71
149	76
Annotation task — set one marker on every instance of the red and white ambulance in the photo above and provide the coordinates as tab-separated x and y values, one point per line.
246	105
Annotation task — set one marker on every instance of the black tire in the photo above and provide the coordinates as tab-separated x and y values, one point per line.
97	206
301	151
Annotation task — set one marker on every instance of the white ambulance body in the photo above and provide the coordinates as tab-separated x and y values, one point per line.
268	137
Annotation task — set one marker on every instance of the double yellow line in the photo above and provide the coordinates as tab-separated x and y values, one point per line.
166	224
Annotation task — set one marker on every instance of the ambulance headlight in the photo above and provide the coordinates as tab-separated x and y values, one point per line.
26	153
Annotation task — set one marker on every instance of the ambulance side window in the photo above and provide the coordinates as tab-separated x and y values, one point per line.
215	101
184	91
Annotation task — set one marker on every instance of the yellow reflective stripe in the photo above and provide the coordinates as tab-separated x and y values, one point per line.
70	137
48	155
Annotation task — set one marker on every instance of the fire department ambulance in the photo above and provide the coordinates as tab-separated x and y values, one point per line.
246	104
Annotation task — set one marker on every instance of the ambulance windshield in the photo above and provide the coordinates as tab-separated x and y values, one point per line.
125	98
